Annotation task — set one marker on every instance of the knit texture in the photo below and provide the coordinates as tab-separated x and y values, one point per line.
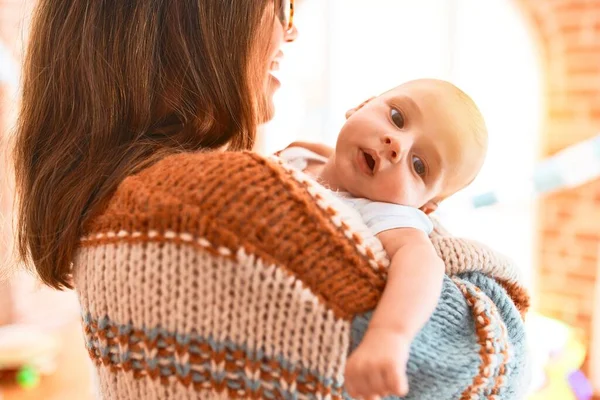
229	275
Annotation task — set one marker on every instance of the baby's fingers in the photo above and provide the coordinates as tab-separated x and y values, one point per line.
395	381
363	383
376	383
373	385
355	382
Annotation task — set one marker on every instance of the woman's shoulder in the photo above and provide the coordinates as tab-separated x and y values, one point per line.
176	182
181	187
195	166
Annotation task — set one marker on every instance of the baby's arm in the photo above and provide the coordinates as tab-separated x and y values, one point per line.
378	366
414	282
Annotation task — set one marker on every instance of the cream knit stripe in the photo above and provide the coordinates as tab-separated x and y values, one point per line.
250	312
153	236
465	255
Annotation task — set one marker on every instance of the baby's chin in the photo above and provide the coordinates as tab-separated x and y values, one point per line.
366	191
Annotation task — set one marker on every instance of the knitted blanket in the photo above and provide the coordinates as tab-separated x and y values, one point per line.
230	275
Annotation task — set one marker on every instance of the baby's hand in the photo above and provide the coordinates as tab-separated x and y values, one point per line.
377	368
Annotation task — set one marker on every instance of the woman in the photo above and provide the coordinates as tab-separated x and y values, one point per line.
210	273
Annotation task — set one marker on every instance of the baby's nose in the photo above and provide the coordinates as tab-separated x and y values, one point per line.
392	149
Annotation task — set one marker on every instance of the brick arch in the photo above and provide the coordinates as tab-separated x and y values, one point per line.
568	235
568	33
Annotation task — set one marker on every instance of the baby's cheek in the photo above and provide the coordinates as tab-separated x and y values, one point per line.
393	192
405	193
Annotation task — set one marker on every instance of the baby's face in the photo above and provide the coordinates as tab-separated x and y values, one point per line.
414	145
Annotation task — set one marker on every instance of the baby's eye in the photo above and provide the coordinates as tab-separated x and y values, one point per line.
397	118
419	166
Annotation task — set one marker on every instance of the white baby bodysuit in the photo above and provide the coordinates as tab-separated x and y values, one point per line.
378	216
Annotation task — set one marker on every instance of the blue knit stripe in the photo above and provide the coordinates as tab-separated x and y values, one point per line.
445	357
155	352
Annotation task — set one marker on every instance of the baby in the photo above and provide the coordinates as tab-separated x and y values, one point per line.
396	158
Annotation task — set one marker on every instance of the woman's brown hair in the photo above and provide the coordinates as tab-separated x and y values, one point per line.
111	86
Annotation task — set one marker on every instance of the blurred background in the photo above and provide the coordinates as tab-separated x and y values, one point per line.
533	67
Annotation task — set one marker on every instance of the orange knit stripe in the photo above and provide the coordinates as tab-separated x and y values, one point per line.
482	324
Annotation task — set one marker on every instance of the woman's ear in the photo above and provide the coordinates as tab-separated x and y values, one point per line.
430	207
351	111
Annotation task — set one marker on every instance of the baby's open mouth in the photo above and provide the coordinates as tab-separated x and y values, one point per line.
370	161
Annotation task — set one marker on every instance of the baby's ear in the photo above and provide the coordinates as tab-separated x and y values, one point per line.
351	111
430	207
